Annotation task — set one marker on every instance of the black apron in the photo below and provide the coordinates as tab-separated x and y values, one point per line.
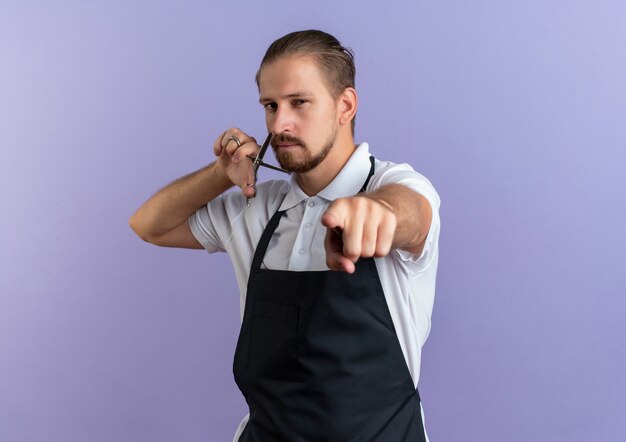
318	358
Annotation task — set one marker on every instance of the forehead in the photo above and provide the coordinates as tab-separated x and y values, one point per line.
287	76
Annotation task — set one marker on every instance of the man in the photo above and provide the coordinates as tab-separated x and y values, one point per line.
336	268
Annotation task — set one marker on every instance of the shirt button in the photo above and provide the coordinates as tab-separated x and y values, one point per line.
311	203
308	225
301	251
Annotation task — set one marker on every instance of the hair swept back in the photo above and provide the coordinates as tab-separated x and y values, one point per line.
334	60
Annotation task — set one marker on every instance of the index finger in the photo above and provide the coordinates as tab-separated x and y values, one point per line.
217	146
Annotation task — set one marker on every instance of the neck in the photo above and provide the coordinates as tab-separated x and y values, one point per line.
313	181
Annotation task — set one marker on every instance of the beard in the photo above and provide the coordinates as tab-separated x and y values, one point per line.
291	164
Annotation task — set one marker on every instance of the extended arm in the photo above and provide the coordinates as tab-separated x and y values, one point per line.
372	224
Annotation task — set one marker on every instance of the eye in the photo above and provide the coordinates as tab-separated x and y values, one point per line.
270	107
299	102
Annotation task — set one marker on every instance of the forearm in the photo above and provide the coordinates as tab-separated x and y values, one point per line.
173	204
413	215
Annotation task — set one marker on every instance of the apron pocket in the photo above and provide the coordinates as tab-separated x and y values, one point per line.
273	343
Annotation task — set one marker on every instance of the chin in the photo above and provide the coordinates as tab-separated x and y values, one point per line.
287	162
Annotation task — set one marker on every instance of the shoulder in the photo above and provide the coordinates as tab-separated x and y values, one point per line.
387	172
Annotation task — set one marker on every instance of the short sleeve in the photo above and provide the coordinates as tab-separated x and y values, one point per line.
214	224
389	173
202	225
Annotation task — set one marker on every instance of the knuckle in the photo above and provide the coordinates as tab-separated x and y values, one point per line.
351	251
381	250
218	140
231	148
368	250
247	150
339	202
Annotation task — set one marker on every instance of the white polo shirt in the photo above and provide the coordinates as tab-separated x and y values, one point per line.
227	224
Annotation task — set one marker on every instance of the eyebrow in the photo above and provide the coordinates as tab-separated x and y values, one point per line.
294	95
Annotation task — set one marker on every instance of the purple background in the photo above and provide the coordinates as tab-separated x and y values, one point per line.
516	111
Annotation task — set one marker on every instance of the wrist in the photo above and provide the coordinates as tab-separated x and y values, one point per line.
220	173
389	206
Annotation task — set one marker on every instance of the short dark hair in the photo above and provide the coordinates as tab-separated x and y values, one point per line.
334	60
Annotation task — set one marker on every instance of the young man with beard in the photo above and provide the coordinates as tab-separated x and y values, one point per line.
336	268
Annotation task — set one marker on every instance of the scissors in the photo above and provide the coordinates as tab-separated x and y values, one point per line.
258	161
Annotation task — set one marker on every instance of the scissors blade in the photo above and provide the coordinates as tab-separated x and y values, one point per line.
260	155
257	162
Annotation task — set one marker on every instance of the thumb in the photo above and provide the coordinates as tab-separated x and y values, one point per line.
248	190
333	245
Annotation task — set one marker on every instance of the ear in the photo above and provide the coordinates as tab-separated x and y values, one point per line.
347	104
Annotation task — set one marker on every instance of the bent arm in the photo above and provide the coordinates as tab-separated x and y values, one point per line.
162	219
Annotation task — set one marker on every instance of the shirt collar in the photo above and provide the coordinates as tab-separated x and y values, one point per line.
347	183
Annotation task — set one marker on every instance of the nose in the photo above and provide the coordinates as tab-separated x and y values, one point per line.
280	121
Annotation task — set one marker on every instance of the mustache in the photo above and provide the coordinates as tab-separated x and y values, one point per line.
281	138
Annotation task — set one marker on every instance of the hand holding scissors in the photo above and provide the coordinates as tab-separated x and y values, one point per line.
258	161
233	148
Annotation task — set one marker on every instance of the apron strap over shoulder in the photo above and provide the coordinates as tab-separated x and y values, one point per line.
369	175
261	248
265	240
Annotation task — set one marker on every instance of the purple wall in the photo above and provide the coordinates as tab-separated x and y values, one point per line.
515	110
